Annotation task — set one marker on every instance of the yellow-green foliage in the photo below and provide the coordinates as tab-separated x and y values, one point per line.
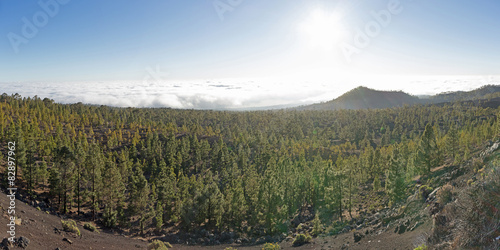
90	227
159	245
421	247
271	246
301	239
70	226
230	248
444	194
470	182
317	228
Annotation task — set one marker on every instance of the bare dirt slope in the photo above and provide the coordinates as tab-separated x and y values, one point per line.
45	231
386	240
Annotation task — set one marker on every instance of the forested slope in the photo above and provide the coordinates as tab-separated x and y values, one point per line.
248	174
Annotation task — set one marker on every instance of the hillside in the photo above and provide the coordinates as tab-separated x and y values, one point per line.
479	93
366	98
419	220
44	231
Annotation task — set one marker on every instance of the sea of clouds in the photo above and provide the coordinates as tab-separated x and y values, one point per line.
236	94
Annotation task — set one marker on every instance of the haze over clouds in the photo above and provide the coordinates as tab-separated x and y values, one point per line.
234	94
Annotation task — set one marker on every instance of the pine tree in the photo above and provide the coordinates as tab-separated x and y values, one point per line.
112	193
80	158
41	173
376	183
428	154
395	183
211	202
30	167
66	169
93	175
139	195
235	206
452	142
21	152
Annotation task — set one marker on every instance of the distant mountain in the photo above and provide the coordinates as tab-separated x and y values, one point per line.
479	93
365	98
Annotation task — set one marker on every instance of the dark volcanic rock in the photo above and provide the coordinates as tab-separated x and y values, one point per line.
23	242
357	236
401	229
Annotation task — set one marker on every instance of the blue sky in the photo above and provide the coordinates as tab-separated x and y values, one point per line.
89	41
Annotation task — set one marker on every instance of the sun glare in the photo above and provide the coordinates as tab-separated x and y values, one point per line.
322	29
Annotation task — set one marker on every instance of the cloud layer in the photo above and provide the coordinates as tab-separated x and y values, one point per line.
235	94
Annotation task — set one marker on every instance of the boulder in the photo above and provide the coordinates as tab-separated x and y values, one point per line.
23	242
6	243
402	229
357	236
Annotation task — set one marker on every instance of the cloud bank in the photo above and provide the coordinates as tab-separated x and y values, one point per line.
235	94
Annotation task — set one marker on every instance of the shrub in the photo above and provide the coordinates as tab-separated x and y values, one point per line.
271	246
70	226
230	248
477	213
444	195
470	182
301	239
421	247
477	163
109	218
159	245
316	225
336	228
425	191
90	227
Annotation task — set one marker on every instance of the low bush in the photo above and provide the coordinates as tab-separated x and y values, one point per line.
336	228
475	215
70	226
425	191
479	213
271	246
421	247
90	227
159	245
301	239
444	195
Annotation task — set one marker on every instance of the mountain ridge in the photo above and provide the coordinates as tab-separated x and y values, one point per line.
363	97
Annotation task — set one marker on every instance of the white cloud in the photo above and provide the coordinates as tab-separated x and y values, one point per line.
235	94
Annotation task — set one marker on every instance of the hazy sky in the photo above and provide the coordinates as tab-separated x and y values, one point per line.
319	40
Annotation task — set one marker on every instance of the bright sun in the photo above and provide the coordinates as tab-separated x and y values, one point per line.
322	29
